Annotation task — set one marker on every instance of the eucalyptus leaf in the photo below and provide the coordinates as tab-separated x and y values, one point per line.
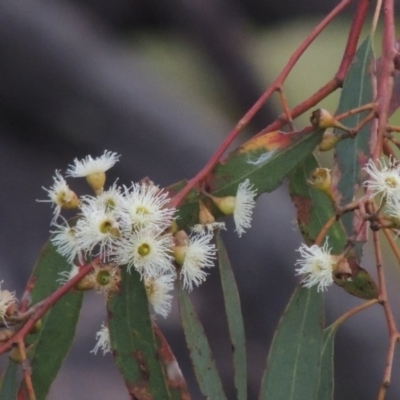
235	319
51	343
133	341
200	352
292	371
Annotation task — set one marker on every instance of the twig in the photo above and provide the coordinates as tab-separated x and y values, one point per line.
351	47
45	306
393	333
385	78
286	108
325	230
354	311
177	200
356	110
392	244
27	370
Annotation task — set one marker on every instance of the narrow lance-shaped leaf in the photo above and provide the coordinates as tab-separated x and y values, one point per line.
50	345
235	319
9	382
200	352
326	376
293	362
351	155
133	341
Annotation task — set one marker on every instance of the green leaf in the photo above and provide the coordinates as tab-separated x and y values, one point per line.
265	160
326	378
10	382
314	208
294	359
235	319
200	352
352	154
133	341
50	345
361	283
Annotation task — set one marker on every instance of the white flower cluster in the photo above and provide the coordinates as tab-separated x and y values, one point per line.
386	182
132	226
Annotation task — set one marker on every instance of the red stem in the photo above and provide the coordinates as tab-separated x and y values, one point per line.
351	48
46	305
385	78
276	85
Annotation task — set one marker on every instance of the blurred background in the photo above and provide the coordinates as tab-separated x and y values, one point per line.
162	84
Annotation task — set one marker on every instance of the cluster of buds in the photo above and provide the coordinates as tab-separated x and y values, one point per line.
134	226
323	119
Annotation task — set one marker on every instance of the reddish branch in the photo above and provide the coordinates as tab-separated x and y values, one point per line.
44	307
277	84
335	83
385	78
393	332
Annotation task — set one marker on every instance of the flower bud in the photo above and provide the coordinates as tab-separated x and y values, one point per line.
329	141
68	199
86	283
225	204
321	179
37	327
321	118
179	253
181	238
205	216
96	181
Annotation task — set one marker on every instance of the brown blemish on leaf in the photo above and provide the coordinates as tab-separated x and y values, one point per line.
139	391
173	374
142	363
303	206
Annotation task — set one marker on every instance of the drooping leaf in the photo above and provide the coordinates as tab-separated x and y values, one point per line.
200	352
50	345
133	341
292	371
314	208
235	319
9	382
326	377
351	155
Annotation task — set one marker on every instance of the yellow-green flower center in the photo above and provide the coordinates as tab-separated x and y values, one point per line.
142	210
391	182
103	278
106	226
144	249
